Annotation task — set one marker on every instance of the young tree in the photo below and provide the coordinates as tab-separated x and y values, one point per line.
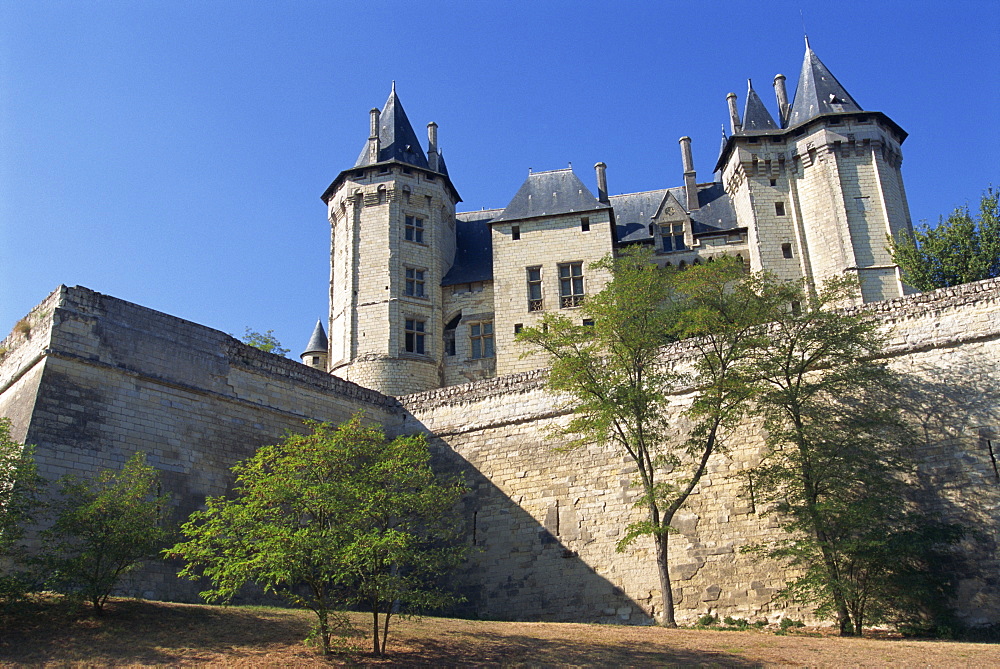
614	373
958	250
836	456
333	518
20	488
104	528
265	341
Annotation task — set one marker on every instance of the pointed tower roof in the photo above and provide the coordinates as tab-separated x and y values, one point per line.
818	92
397	141
549	194
755	114
318	343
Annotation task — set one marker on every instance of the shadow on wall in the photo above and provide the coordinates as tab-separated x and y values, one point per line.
520	568
957	410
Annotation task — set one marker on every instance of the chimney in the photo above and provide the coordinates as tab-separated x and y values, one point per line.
432	146
373	142
602	182
734	116
690	176
782	95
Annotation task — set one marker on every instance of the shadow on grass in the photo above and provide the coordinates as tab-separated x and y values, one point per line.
145	633
458	648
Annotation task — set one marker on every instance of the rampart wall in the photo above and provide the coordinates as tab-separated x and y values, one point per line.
97	378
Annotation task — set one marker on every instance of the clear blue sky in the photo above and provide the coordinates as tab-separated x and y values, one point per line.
172	153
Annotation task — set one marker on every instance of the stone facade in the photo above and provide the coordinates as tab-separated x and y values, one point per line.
812	196
92	379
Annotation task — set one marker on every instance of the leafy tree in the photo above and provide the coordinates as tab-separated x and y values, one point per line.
613	372
20	487
266	342
333	518
958	250
103	529
836	454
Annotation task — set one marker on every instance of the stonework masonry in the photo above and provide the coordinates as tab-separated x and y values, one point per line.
90	379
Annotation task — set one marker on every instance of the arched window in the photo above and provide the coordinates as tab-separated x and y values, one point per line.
382	196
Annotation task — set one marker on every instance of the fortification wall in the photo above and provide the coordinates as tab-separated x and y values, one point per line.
547	520
101	378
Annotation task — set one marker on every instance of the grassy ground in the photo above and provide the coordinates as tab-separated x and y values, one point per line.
135	633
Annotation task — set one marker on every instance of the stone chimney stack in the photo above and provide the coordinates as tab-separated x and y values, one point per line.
602	182
690	176
373	142
782	95
432	147
734	116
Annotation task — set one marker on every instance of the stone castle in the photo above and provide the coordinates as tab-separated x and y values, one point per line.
422	297
424	305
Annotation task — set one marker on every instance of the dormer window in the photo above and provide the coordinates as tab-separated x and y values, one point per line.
672	236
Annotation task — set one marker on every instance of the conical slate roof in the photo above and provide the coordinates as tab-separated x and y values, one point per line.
318	343
755	114
397	141
818	92
549	194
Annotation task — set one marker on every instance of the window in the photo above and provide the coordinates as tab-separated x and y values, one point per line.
779	208
449	335
481	338
585	224
570	285
774	182
515	232
796	309
315	360
588	322
786	250
518	327
414	229
535	289
415	332
673	237
414	282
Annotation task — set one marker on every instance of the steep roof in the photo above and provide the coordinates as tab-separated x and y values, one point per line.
318	342
635	211
397	141
818	92
549	194
755	114
473	248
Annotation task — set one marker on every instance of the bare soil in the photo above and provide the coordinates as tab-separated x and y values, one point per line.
138	634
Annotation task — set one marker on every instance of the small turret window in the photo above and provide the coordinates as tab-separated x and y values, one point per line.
585	224
414	229
414	336
779	208
786	250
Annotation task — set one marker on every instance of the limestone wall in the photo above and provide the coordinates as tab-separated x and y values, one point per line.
546	520
111	378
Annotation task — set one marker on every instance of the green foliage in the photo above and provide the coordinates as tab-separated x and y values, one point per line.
621	391
958	250
266	342
20	488
103	529
337	517
837	453
707	620
788	623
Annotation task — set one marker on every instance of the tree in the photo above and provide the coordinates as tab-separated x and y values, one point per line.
836	456
105	528
266	342
958	250
620	388
337	517
20	488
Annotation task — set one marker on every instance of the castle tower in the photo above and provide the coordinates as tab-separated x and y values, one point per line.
392	219
317	349
820	190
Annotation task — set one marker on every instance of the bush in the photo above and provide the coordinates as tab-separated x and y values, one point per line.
707	620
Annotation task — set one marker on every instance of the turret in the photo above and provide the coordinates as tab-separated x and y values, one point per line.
782	95
602	182
690	176
734	116
315	354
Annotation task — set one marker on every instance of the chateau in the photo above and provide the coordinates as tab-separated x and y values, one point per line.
424	306
422	297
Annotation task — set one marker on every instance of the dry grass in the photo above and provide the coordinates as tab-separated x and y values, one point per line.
159	634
